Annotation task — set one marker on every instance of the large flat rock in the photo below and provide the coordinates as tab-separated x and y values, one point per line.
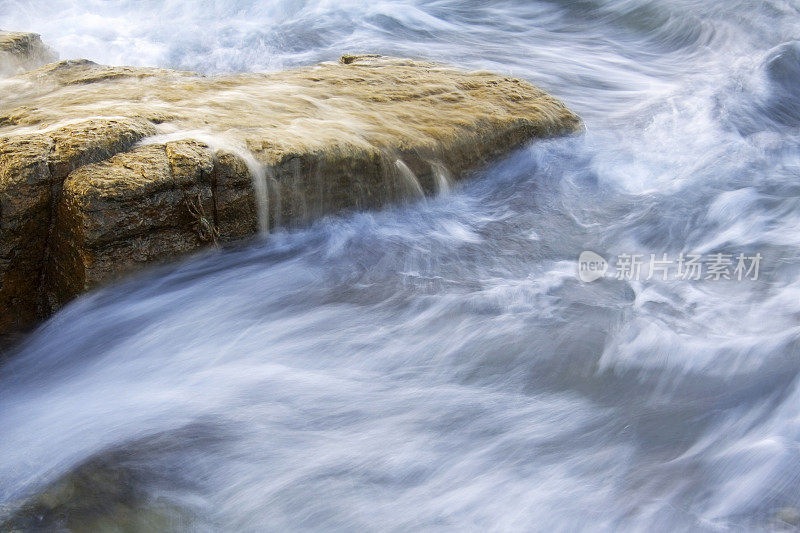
105	169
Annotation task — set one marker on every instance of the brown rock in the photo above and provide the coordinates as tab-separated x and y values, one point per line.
105	169
22	51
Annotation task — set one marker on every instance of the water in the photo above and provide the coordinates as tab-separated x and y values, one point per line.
439	365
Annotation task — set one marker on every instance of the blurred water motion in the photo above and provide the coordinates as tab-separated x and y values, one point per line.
439	365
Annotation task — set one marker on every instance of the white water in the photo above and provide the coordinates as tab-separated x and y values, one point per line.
439	365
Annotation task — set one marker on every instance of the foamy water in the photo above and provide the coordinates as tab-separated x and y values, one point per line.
439	365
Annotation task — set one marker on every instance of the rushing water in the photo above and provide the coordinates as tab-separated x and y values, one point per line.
440	365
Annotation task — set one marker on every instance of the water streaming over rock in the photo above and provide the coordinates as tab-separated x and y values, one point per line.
439	365
409	180
442	180
259	173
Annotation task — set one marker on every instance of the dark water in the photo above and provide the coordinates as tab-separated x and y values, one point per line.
439	365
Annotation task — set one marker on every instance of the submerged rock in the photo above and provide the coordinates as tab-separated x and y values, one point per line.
105	169
22	51
100	495
789	516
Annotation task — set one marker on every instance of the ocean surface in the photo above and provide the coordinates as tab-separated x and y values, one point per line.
439	365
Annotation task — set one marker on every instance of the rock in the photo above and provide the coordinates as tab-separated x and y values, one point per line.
32	170
101	494
106	169
22	51
789	516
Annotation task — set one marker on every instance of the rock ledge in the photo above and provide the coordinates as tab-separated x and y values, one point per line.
105	169
22	51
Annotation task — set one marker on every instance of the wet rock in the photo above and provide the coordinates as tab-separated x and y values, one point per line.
22	51
789	516
98	496
768	98
106	169
33	167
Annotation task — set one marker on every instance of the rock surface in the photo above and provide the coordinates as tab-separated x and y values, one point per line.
22	51
106	493
105	169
